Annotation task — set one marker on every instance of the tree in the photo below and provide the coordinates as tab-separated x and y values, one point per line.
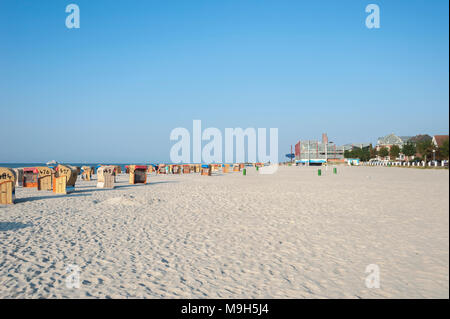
365	154
425	148
409	149
383	152
443	150
420	138
373	151
362	153
394	151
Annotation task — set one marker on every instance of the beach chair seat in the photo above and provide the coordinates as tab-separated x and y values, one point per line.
45	178
7	194
206	170
162	169
60	185
67	185
105	177
7	186
86	173
138	174
176	169
30	177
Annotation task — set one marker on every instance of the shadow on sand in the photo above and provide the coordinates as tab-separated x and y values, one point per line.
33	198
161	182
93	189
5	226
79	193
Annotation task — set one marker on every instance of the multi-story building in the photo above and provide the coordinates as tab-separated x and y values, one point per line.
389	140
317	152
438	140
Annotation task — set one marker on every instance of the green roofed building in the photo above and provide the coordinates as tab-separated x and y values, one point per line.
389	140
392	139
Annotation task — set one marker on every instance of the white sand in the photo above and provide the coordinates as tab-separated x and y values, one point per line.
288	235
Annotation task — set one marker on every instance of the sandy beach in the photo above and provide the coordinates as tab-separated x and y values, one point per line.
292	234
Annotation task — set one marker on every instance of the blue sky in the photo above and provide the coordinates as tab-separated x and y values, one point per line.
115	88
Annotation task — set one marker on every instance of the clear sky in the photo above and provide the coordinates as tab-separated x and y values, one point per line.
114	89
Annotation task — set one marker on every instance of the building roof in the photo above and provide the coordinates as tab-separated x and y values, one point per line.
390	139
360	145
393	139
439	139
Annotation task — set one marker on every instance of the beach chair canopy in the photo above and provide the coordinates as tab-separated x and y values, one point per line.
7	175
70	172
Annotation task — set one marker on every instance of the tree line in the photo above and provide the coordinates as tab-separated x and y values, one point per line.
420	146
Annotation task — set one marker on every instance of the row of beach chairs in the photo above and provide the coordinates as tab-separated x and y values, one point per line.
62	178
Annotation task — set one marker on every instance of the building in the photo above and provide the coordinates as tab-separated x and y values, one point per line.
438	140
318	152
349	147
390	140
